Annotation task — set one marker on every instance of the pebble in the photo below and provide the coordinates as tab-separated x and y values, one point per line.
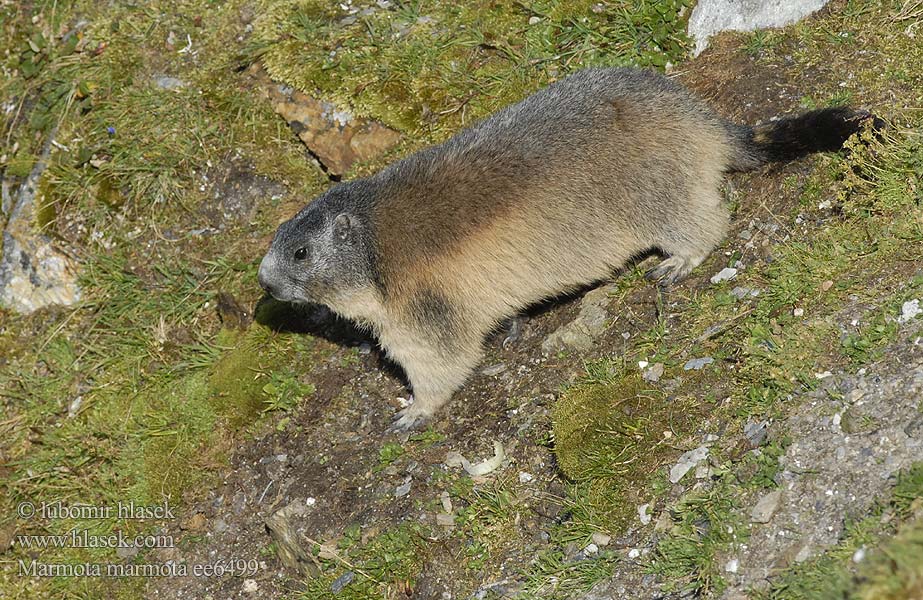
535	20
697	364
403	489
601	539
909	310
725	274
756	432
653	373
250	586
525	477
741	292
859	555
643	514
591	549
342	581
686	462
732	565
634	553
445	520
766	507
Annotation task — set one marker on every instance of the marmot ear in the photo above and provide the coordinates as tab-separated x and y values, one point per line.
342	226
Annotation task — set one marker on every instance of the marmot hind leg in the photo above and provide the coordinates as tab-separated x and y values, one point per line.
689	242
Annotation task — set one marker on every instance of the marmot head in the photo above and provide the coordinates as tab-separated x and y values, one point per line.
321	254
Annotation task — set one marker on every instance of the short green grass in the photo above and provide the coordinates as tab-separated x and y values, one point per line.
165	393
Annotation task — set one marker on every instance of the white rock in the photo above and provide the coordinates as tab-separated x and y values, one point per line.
686	462
250	586
643	514
591	549
601	539
909	310
712	16
634	553
725	274
732	565
525	477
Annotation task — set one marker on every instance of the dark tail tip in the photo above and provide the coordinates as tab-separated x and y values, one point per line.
823	130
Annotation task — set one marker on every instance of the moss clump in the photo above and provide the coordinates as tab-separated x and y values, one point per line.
424	67
609	439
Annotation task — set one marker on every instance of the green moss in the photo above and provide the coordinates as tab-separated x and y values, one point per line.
609	439
429	68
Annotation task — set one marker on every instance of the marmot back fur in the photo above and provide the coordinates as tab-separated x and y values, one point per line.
543	197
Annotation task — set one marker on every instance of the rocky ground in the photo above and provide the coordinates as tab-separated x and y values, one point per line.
754	432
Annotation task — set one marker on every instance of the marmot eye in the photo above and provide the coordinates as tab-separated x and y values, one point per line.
301	254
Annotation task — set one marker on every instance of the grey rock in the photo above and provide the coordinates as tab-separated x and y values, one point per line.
766	507
165	82
653	373
403	489
756	432
740	292
581	333
342	581
34	272
725	274
697	364
712	16
687	461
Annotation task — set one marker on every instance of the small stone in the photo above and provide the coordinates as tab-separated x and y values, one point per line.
766	507
642	364
653	373
825	286
643	514
445	520
535	20
166	82
634	553
342	581
859	555
250	586
310	501
746	234
601	539
756	432
525	477
725	274
591	549
909	311
697	364
798	312
732	565
741	292
686	462
126	552
403	489
803	554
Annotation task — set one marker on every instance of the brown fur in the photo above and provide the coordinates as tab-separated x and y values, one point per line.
542	198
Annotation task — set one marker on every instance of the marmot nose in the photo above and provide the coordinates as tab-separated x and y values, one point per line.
263	275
